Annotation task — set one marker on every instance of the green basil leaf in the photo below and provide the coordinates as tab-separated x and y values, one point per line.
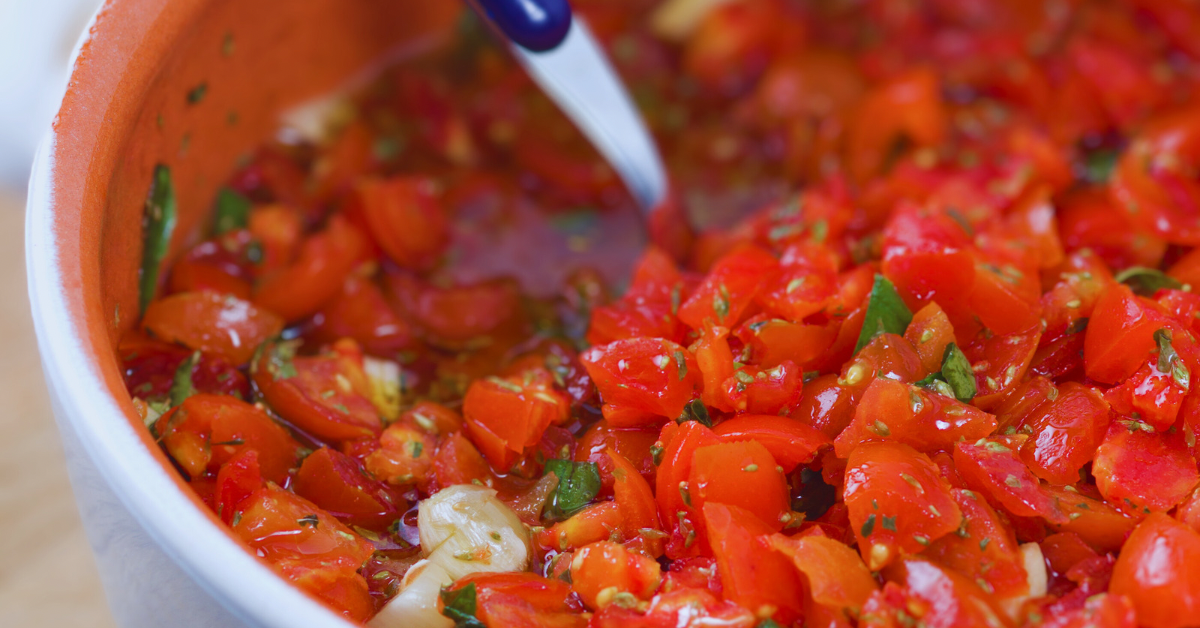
936	383
695	410
886	313
957	372
279	358
768	623
233	211
1169	361
1098	165
158	223
459	606
182	386
1147	281
578	484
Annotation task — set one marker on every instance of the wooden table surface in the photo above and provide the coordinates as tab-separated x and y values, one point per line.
47	575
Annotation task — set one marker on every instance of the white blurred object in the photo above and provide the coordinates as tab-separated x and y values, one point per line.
36	39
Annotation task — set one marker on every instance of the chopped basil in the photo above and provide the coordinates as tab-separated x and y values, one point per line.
869	526
886	313
957	372
1147	281
279	358
695	410
768	623
1169	361
578	484
1098	165
233	211
158	223
459	606
197	93
182	386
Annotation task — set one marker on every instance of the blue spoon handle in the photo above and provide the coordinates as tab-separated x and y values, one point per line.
536	25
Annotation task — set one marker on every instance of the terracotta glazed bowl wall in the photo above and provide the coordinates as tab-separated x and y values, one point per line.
163	558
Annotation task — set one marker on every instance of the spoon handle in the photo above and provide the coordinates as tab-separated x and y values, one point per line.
536	25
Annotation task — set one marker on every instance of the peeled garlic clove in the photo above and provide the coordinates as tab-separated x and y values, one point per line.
385	378
464	529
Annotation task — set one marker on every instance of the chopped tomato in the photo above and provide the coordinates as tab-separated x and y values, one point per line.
1156	569
752	575
207	321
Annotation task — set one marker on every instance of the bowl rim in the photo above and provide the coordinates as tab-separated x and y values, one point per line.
223	568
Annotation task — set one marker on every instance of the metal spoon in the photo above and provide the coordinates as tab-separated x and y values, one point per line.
560	54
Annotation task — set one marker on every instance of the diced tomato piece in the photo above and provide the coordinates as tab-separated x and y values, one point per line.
929	333
1094	520
1157	570
715	360
764	391
993	467
1120	335
458	462
361	312
984	549
326	395
150	367
836	575
522	600
1000	363
742	474
724	295
338	485
1140	471
790	442
897	501
652	377
908	105
309	547
946	597
804	283
604	569
1065	433
504	416
595	523
752	575
404	217
206	431
237	480
633	444
827	406
774	341
315	277
922	419
211	322
681	520
650	307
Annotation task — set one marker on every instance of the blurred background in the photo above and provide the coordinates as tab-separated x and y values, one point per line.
47	576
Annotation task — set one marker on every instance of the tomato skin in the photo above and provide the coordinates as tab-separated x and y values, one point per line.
337	484
752	575
207	321
1065	433
926	421
1140	471
1120	335
775	341
742	474
1156	569
728	289
633	444
911	496
504	417
790	442
315	277
404	217
324	395
993	467
836	576
653	378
